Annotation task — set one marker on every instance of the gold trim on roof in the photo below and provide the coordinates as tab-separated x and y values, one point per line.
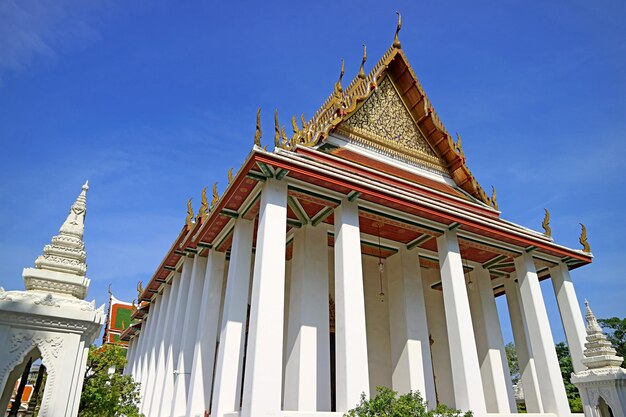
384	123
344	101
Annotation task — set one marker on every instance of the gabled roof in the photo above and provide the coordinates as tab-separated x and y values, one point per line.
426	143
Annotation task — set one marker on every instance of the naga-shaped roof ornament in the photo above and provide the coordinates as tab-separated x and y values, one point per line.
204	206
189	218
396	39
216	196
139	289
583	239
494	201
546	223
258	133
230	175
459	146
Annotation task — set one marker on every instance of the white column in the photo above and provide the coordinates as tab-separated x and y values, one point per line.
494	368
163	339
307	372
79	374
132	349
199	396
138	362
466	379
149	367
571	316
551	385
147	330
229	363
171	358
352	376
408	327
190	326
264	355
528	373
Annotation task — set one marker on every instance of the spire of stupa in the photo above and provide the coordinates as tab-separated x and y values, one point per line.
62	267
598	350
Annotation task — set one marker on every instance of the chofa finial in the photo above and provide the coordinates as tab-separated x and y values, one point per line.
361	74
493	200
338	87
258	133
583	239
396	39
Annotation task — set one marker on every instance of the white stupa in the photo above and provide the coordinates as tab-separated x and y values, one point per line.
51	320
603	385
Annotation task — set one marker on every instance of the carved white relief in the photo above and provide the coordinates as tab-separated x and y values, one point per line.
47	300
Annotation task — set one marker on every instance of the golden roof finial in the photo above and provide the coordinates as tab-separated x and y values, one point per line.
257	133
396	39
494	202
361	68
338	87
285	140
216	196
204	205
303	121
276	130
139	289
133	306
546	223
583	239
188	219
459	145
230	175
294	125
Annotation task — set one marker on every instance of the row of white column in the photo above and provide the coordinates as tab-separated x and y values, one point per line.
175	357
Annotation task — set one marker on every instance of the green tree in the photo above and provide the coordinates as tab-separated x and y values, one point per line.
565	362
615	329
511	357
387	403
106	393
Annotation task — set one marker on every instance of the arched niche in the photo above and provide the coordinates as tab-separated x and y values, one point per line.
604	410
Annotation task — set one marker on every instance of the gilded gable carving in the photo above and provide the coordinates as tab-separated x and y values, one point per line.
384	123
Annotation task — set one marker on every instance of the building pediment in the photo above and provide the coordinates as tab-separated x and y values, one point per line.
384	123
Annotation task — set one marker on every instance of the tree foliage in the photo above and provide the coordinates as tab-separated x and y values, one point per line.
615	329
387	403
106	393
511	357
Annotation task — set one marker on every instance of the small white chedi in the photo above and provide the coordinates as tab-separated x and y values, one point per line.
603	385
51	320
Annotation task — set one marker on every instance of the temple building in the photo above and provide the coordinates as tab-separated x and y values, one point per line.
117	320
360	252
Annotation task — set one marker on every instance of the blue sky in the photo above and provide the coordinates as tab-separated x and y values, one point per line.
153	100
